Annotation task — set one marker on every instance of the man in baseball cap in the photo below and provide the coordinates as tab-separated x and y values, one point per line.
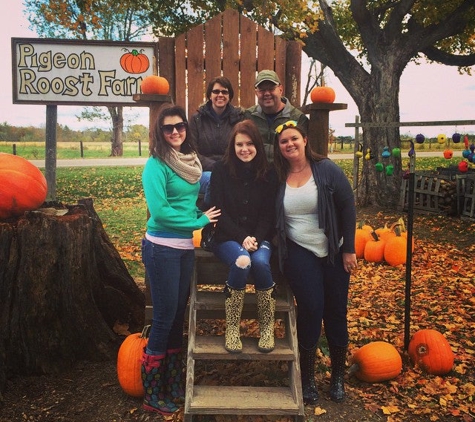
267	75
272	109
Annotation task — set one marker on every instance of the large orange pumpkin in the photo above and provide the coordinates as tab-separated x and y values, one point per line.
395	251
154	84
431	351
375	362
22	186
322	94
129	362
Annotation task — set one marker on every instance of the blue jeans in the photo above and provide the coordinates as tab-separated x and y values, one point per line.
321	292
169	272
204	187
259	266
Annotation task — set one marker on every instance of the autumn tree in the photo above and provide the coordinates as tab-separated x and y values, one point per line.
367	44
89	19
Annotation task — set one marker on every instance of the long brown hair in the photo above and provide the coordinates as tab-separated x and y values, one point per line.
230	159
159	147
281	165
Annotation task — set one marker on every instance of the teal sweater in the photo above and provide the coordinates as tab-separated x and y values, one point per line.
171	202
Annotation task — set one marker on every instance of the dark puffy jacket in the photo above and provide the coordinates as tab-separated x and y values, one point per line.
212	132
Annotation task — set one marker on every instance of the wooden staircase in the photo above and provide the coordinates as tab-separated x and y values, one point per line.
207	302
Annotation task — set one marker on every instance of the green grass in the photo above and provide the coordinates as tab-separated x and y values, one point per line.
118	200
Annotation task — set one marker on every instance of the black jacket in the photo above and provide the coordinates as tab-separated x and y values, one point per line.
247	205
211	133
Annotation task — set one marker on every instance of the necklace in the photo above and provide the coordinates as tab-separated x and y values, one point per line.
301	170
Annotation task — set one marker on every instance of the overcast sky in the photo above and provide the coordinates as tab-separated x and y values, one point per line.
427	93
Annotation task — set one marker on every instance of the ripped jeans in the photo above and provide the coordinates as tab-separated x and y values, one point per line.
242	263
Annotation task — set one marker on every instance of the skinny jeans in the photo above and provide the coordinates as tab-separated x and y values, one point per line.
321	292
259	264
169	273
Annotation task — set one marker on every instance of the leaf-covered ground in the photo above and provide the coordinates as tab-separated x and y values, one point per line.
442	298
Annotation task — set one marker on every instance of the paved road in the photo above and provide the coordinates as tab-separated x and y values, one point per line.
140	161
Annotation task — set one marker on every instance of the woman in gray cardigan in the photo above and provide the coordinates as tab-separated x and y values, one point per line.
316	220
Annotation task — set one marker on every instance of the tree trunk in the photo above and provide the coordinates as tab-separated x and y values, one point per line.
378	106
63	287
117	146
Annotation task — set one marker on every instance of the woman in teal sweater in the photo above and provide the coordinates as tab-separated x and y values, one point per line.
171	184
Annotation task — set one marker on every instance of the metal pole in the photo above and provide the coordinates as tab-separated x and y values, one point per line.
50	146
410	224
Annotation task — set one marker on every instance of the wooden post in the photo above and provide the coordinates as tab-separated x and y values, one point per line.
155	104
318	127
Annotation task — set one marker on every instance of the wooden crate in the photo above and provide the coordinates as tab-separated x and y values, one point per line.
433	193
466	196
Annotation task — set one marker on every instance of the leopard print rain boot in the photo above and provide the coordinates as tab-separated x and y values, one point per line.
265	313
233	306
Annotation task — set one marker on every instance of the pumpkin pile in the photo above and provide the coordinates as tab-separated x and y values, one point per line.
22	186
384	244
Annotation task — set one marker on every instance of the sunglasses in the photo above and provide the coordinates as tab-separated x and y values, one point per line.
168	129
290	123
220	91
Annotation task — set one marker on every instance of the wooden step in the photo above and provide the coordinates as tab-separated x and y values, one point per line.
207	300
212	348
241	400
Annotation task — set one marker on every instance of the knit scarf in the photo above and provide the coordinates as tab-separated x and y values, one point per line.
187	166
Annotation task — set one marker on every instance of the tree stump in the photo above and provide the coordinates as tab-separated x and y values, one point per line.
63	287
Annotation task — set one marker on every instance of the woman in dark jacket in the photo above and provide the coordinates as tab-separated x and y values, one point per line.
244	189
212	124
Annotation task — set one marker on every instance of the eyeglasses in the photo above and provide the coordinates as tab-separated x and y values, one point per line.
268	89
168	129
290	123
220	91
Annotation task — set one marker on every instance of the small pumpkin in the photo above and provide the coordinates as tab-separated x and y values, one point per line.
431	351
362	235
375	362
197	238
134	61
154	84
374	249
396	249
129	362
322	94
22	186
